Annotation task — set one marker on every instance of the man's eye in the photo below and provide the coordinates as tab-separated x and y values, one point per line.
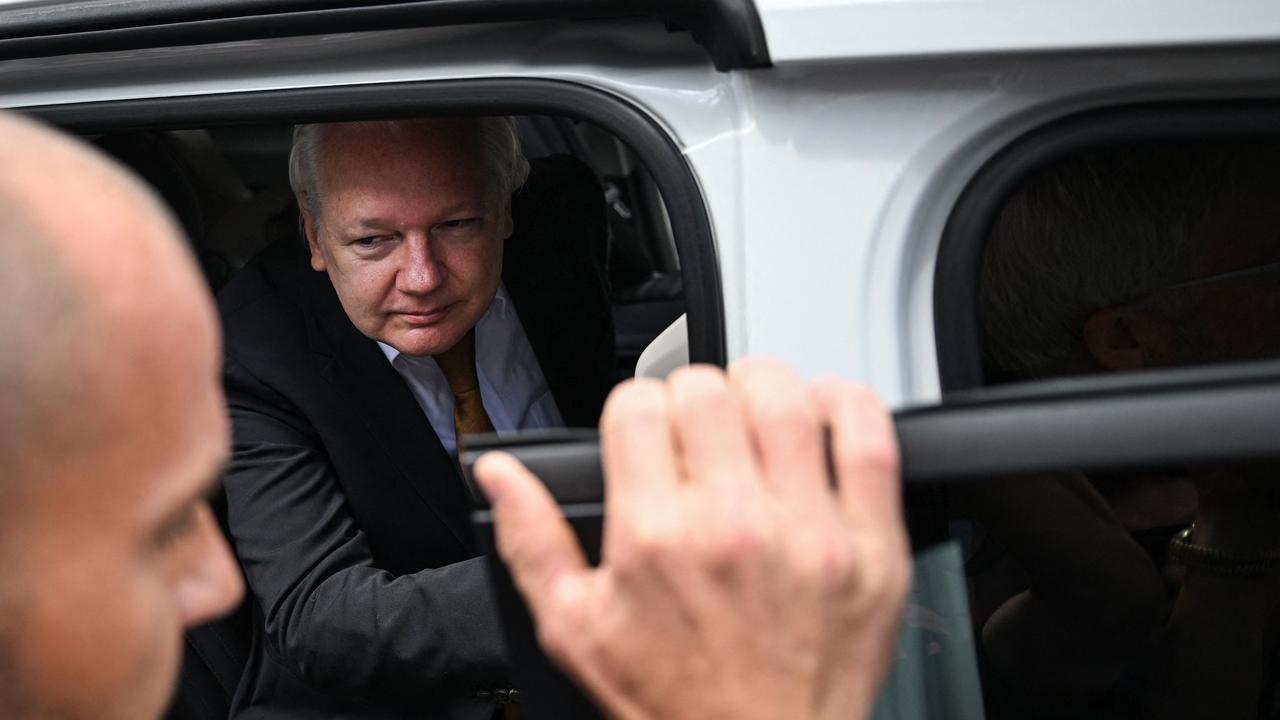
459	223
369	242
176	529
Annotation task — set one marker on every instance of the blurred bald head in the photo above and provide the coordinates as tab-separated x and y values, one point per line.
112	428
89	253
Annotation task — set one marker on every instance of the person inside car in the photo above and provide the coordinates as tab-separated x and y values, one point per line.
1115	260
411	316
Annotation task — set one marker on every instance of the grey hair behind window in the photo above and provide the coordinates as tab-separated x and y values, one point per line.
496	137
1098	229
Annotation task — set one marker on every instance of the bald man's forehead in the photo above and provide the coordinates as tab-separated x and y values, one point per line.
110	226
42	318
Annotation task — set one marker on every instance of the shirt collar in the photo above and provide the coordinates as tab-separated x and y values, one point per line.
497	307
500	302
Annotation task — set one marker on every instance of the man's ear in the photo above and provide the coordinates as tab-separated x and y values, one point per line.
1115	339
309	230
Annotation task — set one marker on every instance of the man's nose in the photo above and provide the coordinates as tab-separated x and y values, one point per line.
420	269
211	585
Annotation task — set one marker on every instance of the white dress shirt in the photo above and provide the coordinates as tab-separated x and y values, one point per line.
512	388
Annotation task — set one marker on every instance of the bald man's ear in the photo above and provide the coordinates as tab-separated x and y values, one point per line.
309	231
1115	338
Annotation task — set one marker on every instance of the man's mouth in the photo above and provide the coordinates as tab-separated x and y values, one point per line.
424	317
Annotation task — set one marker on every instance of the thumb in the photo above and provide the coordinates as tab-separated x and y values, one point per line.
533	538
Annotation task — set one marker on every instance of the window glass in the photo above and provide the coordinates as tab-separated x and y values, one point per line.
1132	257
1144	593
1135	592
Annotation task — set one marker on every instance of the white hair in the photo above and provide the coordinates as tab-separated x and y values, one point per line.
1100	229
496	138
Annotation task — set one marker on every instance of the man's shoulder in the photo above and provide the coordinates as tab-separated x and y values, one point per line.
264	309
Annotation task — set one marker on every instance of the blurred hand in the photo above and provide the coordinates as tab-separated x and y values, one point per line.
734	582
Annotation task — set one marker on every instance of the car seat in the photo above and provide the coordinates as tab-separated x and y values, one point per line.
158	159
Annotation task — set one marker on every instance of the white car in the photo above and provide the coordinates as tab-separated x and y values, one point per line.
813	180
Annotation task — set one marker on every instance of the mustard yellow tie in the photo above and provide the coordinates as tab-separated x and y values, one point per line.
459	366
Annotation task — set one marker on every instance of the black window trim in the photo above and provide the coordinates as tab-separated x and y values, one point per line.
674	177
1159	418
730	30
1153	418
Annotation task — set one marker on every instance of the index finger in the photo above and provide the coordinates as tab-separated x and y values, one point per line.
636	445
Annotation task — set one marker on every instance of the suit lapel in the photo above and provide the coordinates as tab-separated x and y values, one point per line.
373	389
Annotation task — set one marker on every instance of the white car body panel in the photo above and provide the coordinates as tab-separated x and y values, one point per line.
800	31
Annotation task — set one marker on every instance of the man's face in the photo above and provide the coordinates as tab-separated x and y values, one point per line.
110	547
410	230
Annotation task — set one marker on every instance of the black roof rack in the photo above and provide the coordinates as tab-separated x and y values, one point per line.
730	30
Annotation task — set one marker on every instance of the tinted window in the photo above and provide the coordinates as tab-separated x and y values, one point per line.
1136	592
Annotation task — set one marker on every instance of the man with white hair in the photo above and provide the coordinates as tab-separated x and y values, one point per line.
421	318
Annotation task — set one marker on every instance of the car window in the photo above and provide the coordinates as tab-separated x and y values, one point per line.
1121	584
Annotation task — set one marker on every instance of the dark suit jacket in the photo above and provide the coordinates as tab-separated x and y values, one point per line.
347	515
